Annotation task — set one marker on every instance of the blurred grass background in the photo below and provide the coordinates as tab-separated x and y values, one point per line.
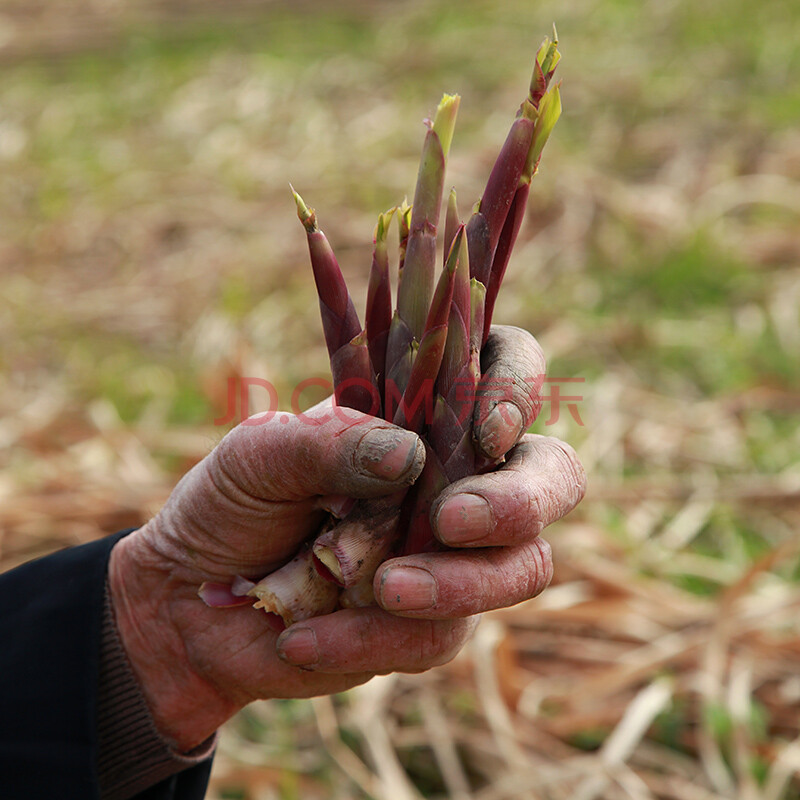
150	250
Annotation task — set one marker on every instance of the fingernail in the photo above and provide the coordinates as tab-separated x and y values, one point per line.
390	453
464	519
407	589
500	430
298	646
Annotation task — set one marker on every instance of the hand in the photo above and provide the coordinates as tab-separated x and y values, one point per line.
246	508
496	517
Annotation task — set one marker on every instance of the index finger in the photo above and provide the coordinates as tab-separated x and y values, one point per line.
542	481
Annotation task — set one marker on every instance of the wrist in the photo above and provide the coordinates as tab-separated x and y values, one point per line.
149	599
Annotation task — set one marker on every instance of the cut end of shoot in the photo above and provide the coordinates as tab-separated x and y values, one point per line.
327	565
221	595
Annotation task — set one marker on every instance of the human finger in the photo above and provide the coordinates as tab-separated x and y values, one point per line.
513	370
332	451
370	640
541	482
463	583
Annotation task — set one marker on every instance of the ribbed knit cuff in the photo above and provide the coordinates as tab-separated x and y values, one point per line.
132	754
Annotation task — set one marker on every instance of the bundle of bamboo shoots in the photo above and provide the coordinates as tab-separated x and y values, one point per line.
419	366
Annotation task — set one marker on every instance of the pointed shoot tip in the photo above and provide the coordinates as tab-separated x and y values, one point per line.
384	221
547	58
305	214
444	122
360	339
455	250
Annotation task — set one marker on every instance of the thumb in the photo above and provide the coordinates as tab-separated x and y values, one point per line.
326	451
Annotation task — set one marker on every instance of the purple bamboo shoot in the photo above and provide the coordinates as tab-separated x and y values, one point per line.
379	300
353	376
451	223
416	277
415	405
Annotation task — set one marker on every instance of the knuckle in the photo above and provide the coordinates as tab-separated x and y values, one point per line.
514	356
358	644
422	646
535	515
558	463
439	642
546	554
488	588
525	394
501	578
571	468
365	642
551	479
537	568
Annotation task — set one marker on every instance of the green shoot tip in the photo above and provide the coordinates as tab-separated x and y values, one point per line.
404	215
384	220
549	113
547	58
548	55
444	122
304	213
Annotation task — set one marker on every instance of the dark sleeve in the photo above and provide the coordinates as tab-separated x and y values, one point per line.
51	622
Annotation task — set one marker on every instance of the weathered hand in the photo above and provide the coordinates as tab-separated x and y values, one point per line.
263	490
493	519
244	510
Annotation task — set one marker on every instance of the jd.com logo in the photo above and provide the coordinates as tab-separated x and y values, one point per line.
420	407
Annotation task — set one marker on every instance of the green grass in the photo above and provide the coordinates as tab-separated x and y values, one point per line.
683	281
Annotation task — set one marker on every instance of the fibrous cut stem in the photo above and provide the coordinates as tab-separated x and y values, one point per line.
296	591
